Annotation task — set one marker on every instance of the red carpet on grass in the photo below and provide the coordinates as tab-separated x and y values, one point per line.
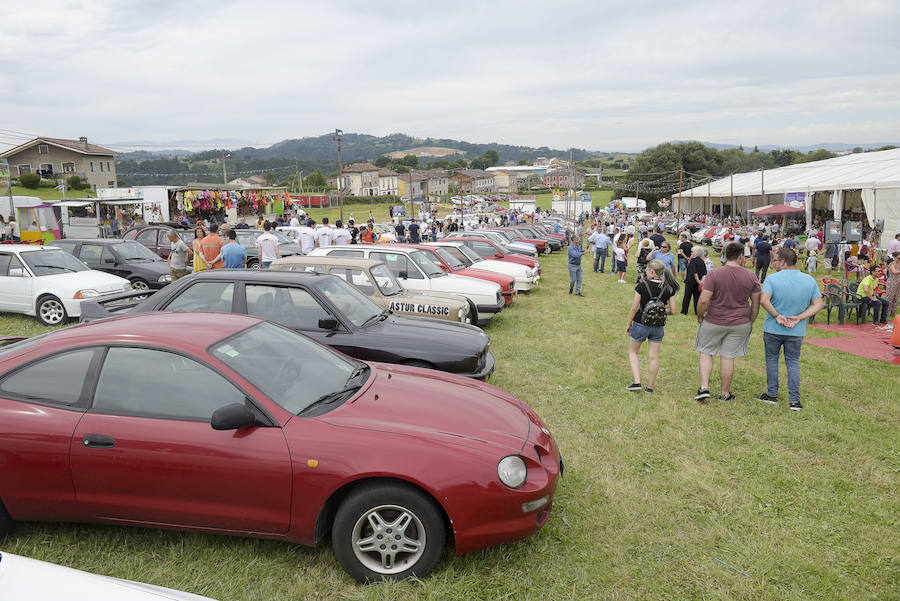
864	340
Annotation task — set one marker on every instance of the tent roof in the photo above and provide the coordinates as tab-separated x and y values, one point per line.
849	172
781	210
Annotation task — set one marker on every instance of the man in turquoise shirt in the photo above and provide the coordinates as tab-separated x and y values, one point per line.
789	297
233	254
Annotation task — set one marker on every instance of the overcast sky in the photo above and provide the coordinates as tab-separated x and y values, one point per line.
587	74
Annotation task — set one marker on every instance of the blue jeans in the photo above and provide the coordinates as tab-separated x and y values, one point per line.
682	264
880	308
792	345
575	277
265	264
600	255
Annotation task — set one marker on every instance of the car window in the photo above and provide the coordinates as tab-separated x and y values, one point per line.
162	237
453	257
90	253
342	252
483	249
130	235
147	237
247	239
292	307
153	383
204	296
349	300
58	379
5	260
397	263
66	245
385	280
422	259
132	251
355	277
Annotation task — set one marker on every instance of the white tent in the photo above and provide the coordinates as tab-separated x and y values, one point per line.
634	204
875	174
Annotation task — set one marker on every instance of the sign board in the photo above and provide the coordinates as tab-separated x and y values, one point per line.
795	199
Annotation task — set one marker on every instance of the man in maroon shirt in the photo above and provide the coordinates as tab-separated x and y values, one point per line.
726	319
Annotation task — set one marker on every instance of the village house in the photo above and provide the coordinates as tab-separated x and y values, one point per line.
562	178
438	181
58	158
387	183
473	181
361	179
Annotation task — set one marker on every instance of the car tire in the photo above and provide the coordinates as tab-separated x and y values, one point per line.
6	522
252	264
50	311
371	514
139	284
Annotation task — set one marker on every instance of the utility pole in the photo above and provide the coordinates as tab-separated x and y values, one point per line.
337	136
5	169
680	200
733	215
692	197
224	169
297	171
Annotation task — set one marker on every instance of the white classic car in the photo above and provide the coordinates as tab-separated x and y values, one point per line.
25	579
417	272
50	283
526	277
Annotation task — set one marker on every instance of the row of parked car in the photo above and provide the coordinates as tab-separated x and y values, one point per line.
287	403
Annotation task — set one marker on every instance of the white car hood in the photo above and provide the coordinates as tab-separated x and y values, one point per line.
100	281
513	269
24	579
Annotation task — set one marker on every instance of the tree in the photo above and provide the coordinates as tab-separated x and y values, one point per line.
382	161
410	160
479	163
491	157
523	161
857	149
315	180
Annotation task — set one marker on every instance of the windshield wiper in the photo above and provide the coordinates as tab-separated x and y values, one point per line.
54	267
327	399
362	369
379	316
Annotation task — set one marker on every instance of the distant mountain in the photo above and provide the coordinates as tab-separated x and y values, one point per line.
832	146
363	147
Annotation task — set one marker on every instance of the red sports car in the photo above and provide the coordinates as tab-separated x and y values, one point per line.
226	423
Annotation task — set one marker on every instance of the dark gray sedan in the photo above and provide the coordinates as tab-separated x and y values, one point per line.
124	258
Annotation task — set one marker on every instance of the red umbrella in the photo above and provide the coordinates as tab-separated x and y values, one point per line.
780	210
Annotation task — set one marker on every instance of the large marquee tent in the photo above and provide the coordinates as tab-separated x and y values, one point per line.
869	182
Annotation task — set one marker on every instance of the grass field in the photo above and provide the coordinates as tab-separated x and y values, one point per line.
49	193
658	490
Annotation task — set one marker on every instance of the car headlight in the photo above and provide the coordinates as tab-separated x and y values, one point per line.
127	286
512	471
164	278
87	293
460	314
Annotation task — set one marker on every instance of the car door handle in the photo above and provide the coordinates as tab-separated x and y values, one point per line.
98	441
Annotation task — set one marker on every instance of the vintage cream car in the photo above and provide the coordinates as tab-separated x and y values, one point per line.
375	280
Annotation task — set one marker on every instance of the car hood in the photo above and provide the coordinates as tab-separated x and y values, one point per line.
27	579
425	296
155	267
450	336
436	405
509	268
100	281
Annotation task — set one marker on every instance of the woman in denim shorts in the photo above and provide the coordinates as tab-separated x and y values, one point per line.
660	283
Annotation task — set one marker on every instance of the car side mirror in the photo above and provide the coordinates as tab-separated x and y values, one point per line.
498	256
18	272
232	417
444	267
109	260
403	275
328	323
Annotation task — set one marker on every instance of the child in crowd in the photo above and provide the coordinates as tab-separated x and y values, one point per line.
811	265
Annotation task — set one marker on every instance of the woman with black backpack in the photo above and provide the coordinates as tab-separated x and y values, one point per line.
654	300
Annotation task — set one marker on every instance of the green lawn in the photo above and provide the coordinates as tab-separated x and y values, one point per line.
658	490
49	193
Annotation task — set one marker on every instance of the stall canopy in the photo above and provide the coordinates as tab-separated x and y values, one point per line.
876	174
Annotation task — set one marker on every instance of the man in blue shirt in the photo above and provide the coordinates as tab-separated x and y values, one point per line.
575	253
233	254
789	297
600	241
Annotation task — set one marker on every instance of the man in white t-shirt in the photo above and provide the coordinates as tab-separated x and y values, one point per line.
341	235
812	243
307	237
267	245
295	222
324	235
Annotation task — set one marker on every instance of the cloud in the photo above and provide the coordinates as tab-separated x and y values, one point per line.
604	76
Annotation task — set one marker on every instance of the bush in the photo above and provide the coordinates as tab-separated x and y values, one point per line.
30	180
74	182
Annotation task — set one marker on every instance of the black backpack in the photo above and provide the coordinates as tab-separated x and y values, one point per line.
655	311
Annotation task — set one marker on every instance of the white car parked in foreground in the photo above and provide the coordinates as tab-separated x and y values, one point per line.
24	579
417	272
50	283
525	276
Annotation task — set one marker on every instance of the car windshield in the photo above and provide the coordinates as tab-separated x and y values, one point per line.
447	255
52	261
187	236
470	254
452	257
132	251
385	280
287	367
421	259
282	239
355	305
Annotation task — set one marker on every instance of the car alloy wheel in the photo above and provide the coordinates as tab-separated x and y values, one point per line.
388	532
253	264
139	285
51	311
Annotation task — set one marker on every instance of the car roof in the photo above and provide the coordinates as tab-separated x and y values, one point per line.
256	275
328	260
405	249
98	240
18	248
191	331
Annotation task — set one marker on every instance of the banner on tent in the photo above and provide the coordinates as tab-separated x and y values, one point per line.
795	199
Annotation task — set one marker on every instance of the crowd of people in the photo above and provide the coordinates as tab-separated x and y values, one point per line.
761	267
